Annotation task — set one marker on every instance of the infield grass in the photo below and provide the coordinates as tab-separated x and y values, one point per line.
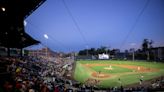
127	76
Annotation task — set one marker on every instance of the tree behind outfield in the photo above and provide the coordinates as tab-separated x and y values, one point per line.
146	46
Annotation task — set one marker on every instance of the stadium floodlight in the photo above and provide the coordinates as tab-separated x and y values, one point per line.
3	9
46	36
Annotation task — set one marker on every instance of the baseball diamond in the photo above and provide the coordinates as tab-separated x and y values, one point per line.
106	73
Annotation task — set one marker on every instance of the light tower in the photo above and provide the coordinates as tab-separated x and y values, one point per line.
133	51
46	37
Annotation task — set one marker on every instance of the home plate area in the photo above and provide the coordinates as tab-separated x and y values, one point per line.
100	75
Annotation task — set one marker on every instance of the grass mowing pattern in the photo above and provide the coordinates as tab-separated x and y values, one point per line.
82	73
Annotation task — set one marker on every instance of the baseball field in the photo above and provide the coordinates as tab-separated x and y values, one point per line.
110	73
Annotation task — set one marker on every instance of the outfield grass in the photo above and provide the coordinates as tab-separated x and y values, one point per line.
115	69
82	73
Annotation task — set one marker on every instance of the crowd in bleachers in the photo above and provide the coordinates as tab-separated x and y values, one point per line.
32	74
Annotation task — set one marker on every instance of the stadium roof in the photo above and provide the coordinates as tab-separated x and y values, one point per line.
17	41
12	15
20	8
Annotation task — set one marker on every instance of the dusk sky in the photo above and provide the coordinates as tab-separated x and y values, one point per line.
72	25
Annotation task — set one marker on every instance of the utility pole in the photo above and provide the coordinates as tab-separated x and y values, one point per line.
87	49
133	50
133	54
107	48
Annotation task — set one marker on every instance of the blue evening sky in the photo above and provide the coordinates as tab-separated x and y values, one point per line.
72	25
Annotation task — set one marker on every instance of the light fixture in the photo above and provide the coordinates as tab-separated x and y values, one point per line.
3	9
21	34
25	23
46	36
